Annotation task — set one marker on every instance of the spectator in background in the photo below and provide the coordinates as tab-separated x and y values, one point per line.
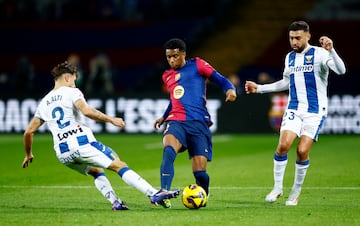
5	85
74	59
264	78
108	9
24	76
235	79
100	76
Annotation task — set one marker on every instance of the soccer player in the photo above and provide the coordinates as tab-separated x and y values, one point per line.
63	110
306	76
187	117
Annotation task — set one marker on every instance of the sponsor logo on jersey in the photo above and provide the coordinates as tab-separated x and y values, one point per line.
178	92
302	68
70	157
65	135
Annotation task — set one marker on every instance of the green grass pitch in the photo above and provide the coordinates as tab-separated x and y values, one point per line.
47	193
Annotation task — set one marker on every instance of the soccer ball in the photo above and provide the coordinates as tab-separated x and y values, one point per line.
194	196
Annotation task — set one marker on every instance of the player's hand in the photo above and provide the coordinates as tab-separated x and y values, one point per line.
326	43
250	87
118	122
158	123
230	95
28	159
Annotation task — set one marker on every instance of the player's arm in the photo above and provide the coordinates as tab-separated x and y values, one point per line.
335	63
281	85
97	115
225	84
34	124
161	120
205	69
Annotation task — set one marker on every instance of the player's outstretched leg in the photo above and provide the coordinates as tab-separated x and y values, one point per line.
156	196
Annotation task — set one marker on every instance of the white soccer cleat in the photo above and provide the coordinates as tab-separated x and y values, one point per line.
293	198
273	195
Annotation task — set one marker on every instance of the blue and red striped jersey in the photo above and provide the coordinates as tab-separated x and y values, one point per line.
187	88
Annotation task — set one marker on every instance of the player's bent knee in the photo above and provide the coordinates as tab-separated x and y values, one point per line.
117	165
302	153
95	171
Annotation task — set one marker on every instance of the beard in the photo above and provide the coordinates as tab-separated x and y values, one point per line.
298	49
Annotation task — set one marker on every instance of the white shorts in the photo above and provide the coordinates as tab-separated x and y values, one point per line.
85	156
303	123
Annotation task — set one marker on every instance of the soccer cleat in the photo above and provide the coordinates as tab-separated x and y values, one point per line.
162	195
293	198
273	195
119	206
166	203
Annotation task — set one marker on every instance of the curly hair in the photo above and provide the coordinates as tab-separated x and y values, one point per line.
175	43
63	68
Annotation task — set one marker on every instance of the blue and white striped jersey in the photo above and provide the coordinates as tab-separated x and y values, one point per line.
307	73
306	76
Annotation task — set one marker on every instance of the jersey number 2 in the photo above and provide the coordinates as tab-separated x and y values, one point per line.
58	113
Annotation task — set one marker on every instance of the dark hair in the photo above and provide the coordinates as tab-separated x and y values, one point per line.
175	43
63	68
299	25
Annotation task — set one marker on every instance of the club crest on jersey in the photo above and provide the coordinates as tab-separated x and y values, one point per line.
177	76
309	59
178	92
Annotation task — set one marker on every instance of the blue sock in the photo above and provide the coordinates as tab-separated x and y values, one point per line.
122	171
202	179
280	158
98	175
167	167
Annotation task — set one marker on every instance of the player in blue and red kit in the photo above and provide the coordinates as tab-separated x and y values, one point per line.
187	117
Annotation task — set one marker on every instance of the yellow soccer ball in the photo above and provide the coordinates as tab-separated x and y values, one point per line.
194	196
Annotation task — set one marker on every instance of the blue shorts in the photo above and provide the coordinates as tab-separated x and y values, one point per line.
195	136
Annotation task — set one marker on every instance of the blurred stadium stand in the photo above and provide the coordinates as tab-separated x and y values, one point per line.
246	37
130	32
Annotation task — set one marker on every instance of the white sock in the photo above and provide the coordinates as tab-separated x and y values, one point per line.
104	186
133	179
279	170
300	172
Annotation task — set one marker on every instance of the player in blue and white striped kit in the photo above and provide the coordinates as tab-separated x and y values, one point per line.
306	76
63	110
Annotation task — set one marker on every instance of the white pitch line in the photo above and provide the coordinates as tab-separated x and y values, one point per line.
215	188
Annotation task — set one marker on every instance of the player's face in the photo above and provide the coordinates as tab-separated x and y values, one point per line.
298	40
72	80
175	58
